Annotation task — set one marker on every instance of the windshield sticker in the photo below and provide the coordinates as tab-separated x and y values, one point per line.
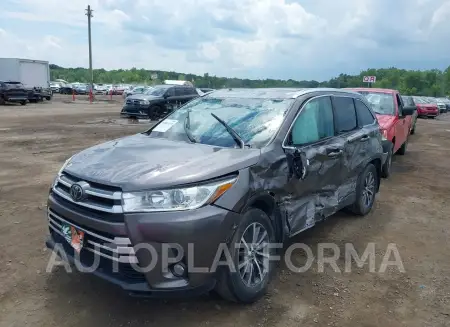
165	125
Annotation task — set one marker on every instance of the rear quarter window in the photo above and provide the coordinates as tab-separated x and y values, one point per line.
365	116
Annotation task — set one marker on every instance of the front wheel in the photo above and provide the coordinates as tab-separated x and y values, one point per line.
366	190
402	149
155	112
22	103
248	278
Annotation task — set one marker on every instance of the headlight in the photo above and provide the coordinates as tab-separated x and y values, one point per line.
61	170
176	199
145	102
384	134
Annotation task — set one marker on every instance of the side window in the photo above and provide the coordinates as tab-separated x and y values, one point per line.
345	114
364	114
314	123
178	91
170	92
192	91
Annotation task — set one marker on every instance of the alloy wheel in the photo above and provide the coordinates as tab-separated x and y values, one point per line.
253	264
368	192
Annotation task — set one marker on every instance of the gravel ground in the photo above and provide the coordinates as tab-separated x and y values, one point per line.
412	211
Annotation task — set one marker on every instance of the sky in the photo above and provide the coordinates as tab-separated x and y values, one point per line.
297	39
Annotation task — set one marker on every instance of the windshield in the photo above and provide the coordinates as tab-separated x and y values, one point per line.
156	91
419	100
382	103
254	120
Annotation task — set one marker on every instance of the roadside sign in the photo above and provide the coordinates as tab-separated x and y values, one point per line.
369	79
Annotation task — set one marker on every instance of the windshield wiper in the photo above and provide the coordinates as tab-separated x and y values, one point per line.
232	132
187	128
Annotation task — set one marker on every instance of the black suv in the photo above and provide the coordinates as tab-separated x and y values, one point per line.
158	101
11	91
236	169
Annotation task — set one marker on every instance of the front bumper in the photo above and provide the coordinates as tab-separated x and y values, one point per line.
138	111
15	98
427	113
197	235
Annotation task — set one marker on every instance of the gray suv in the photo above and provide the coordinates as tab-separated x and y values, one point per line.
220	180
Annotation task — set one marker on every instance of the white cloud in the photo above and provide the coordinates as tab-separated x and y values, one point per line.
300	39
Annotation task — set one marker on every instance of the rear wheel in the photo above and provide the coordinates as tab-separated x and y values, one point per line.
248	279
413	130
366	190
23	103
386	169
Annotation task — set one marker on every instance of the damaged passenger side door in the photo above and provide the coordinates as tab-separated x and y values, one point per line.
315	159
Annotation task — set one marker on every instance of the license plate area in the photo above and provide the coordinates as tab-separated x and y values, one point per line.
73	236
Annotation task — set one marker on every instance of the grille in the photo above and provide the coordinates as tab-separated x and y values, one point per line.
98	197
118	249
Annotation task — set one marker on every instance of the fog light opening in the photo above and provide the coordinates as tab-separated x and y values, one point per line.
179	269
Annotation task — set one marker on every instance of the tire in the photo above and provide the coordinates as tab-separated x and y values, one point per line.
236	286
413	130
403	148
386	169
48	98
363	205
155	112
22	103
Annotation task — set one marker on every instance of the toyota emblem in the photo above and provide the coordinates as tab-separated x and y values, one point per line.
77	192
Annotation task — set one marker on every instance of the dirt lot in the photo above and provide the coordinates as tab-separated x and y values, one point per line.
412	211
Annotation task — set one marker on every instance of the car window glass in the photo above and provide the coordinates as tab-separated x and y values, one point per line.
345	114
179	91
314	123
256	120
364	114
170	92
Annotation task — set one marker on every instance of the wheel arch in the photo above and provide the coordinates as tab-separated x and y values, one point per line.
267	203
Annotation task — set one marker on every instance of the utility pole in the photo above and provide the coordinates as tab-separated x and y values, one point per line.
89	15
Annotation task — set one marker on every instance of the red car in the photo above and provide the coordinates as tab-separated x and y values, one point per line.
395	121
425	108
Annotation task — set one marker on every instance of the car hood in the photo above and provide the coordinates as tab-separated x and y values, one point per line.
140	162
143	97
385	121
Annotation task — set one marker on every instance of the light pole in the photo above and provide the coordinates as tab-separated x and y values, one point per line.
91	74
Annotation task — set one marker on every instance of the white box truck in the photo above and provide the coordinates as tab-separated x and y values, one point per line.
33	74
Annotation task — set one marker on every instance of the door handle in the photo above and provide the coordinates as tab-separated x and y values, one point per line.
364	138
335	153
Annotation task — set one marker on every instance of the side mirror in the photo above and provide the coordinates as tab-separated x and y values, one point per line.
408	111
165	96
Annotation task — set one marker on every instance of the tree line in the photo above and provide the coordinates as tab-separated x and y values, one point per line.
409	82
